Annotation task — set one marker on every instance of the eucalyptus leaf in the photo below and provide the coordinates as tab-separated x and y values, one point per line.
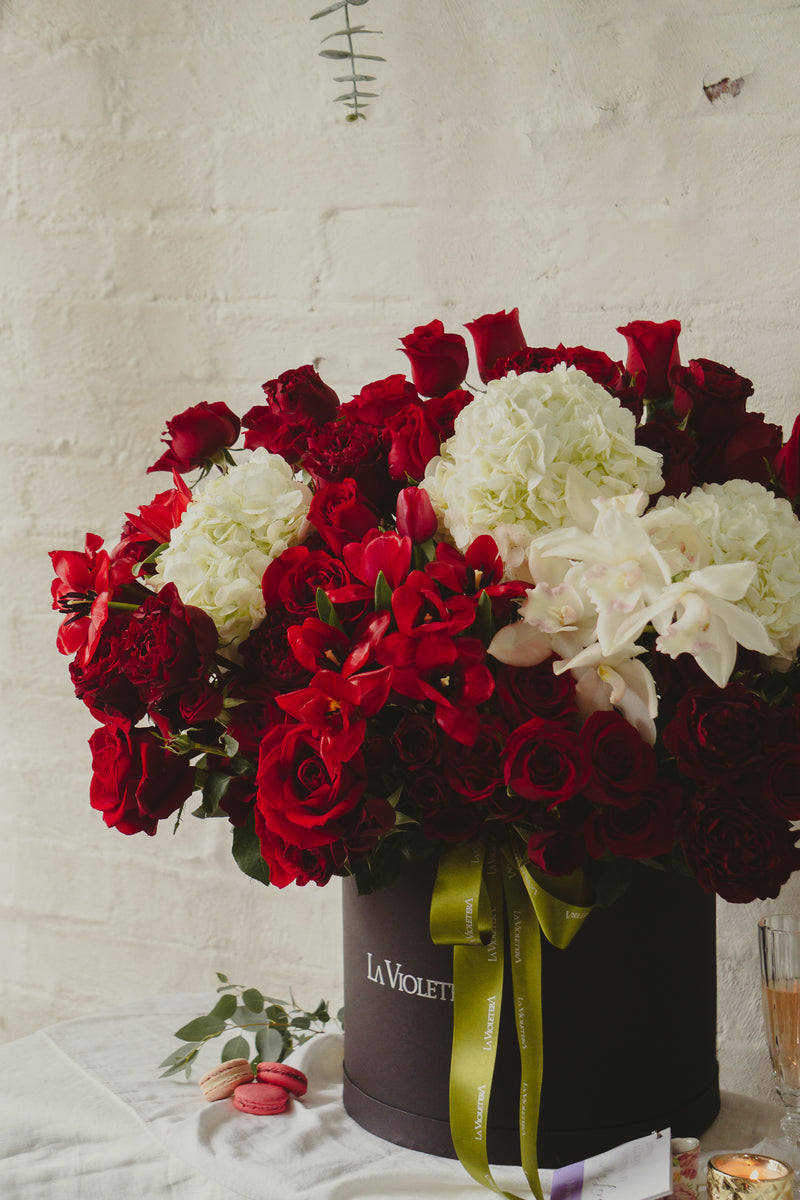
230	744
354	79
200	1028
270	1045
350	95
335	54
277	1014
324	12
224	1008
301	1023
179	1056
245	1016
237	1047
347	32
222	978
253	999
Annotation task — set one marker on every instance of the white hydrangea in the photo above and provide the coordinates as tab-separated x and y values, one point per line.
227	537
530	455
740	522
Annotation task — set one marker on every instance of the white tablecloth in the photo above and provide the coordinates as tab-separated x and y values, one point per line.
84	1116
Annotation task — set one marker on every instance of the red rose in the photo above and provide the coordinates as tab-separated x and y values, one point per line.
780	779
558	847
442	411
301	396
737	850
787	463
268	662
415	516
352	450
416	742
378	401
711	396
677	450
439	360
301	799
643	830
496	335
716	733
621	764
476	772
101	684
290	582
525	692
167	646
136	781
275	433
652	349
340	514
290	864
414	442
747	453
544	763
197	435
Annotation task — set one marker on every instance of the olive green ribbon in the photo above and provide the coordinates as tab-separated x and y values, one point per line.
478	886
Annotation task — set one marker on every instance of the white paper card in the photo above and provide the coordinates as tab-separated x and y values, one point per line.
640	1170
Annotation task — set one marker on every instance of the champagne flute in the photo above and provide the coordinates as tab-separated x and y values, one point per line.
779	948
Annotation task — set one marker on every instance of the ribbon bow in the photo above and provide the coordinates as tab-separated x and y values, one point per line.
477	886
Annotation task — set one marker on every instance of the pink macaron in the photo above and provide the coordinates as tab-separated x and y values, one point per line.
261	1099
284	1076
221	1081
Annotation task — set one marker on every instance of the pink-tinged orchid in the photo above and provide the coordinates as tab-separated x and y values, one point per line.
336	709
616	681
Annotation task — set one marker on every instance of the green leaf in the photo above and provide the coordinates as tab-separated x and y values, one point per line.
333	7
335	54
224	1008
246	1016
215	788
350	95
183	1065
277	1014
327	612
301	1023
237	1047
230	745
270	1045
253	999
200	1029
348	32
247	852
178	1057
222	978
383	593
340	1017
483	624
354	78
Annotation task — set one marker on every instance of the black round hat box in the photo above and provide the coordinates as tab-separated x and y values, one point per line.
629	1012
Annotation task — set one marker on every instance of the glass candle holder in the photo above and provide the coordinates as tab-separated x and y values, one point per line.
750	1176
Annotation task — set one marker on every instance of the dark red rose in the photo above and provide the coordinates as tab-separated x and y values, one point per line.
301	396
299	798
559	846
101	684
787	463
716	733
197	435
779	777
439	360
712	397
290	582
168	645
268	662
475	772
136	782
621	764
676	448
276	433
452	822
415	741
443	410
495	335
747	453
291	864
352	450
414	442
652	349
239	798
340	514
645	829
544	763
415	516
378	401
737	850
525	692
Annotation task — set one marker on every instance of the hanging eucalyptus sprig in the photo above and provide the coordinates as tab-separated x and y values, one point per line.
355	98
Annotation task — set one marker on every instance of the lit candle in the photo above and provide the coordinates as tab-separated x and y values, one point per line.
749	1175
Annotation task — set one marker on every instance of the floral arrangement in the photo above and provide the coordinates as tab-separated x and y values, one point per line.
565	607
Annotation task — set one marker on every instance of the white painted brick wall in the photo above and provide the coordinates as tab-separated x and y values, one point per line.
185	214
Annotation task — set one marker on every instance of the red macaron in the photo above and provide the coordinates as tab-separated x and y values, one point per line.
284	1076
261	1099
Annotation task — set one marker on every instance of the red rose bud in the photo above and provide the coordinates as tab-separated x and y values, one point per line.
415	516
652	348
787	463
496	335
197	435
439	360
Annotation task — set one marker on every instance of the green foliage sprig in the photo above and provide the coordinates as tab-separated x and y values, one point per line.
355	98
275	1028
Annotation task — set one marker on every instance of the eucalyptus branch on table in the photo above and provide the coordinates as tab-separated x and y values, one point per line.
354	98
276	1027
